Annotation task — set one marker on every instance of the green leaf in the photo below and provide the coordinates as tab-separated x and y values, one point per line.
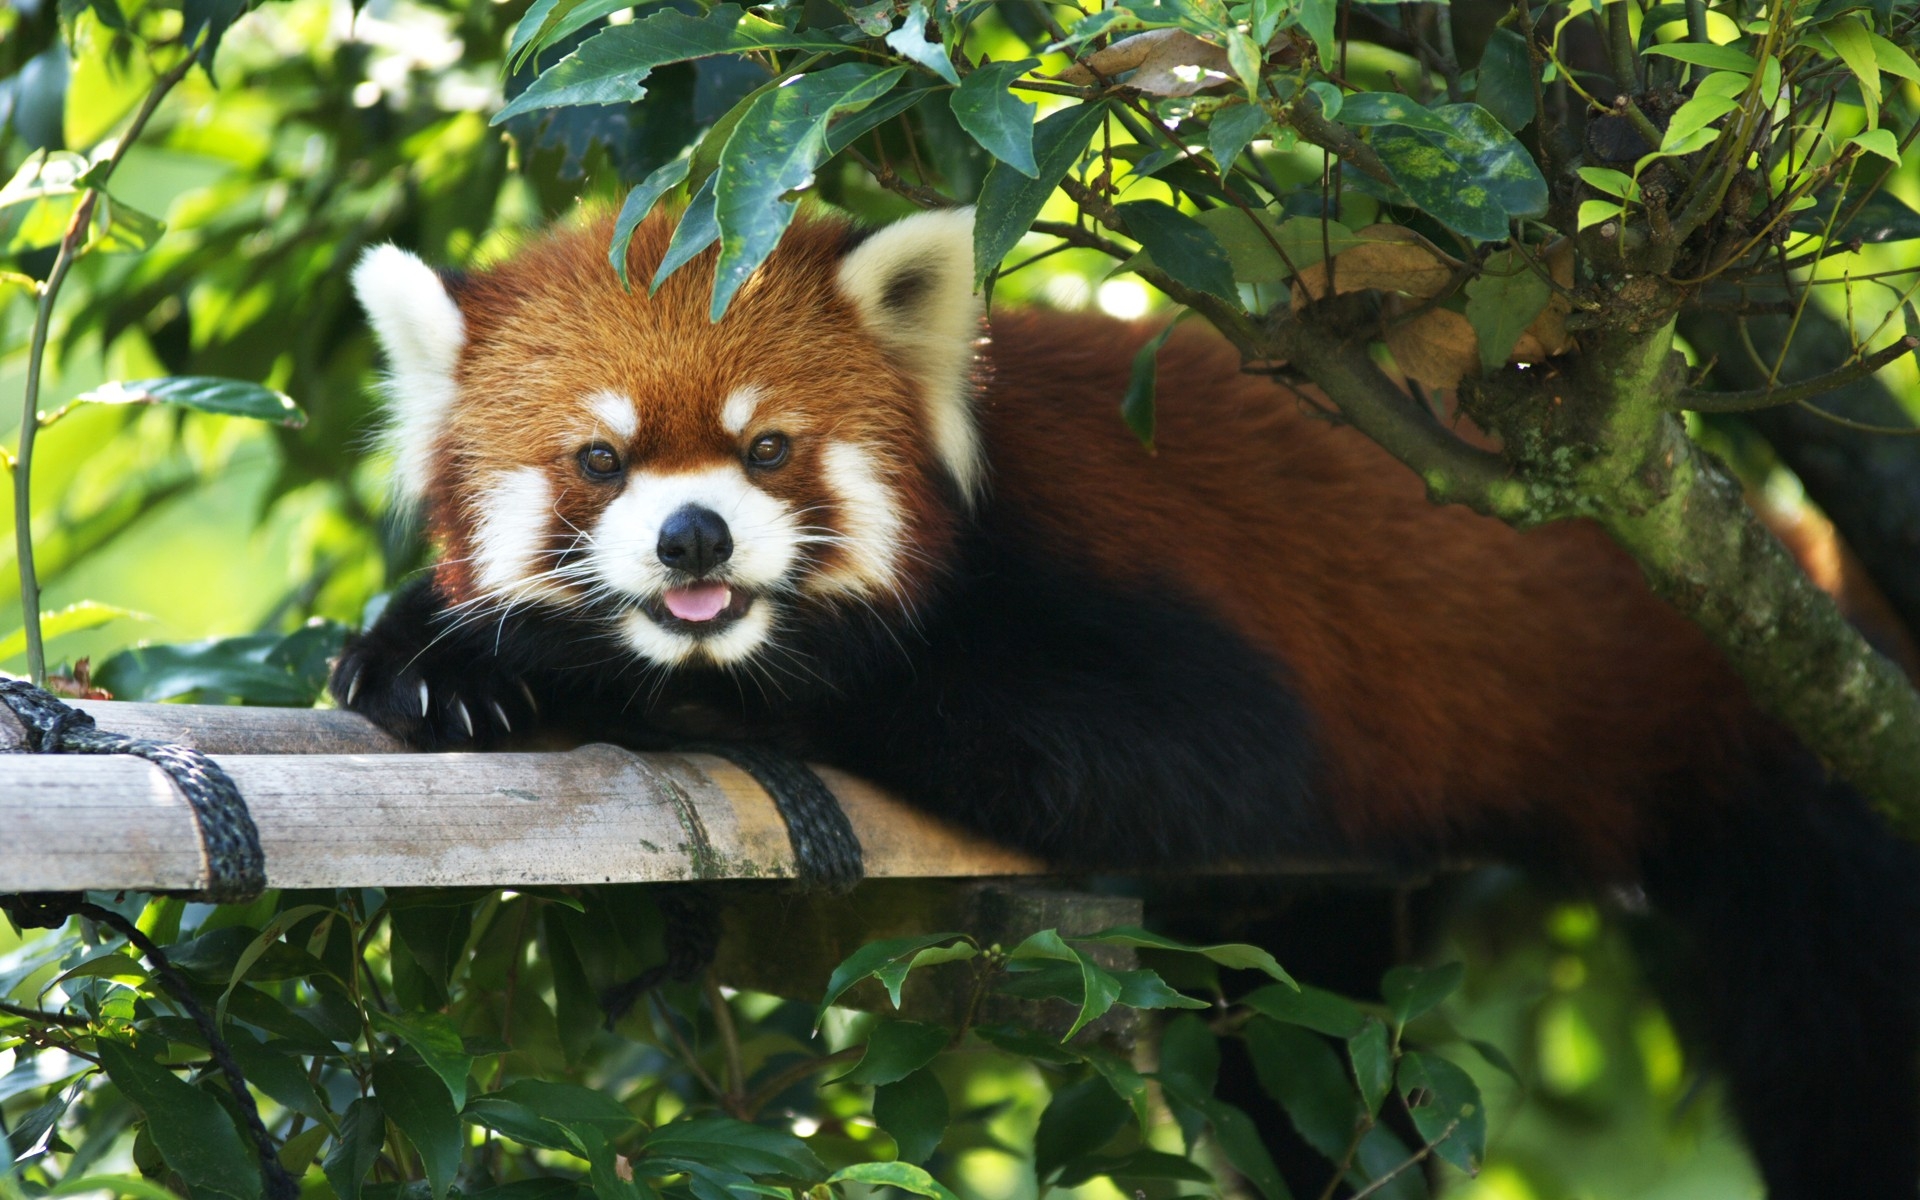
1893	60
697	230
910	41
120	228
1614	183
1310	1007
993	116
1010	200
1328	96
362	1132
1099	988
610	66
754	1149
1501	302
1694	116
1240	1141
434	1038
1446	1108
1250	243
773	151
1883	218
1180	246
1236	955
518	1122
1851	41
549	21
1317	17
895	1050
1702	54
74	618
1145	989
1392	108
1474	181
904	1176
1592	212
1081	1118
567	1104
638	204
228	397
189	1128
275	1073
1496	1058
1245	59
1232	129
913	1111
1301	1071
419	1104
1372	1057
1507	76
869	959
1411	991
1141	1164
1878	141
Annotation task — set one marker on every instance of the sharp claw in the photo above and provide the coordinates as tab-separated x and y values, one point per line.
460	710
528	693
353	687
500	715
423	699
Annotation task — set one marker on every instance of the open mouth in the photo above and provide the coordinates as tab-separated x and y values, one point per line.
698	608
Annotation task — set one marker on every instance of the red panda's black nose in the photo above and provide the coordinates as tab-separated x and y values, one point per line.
694	540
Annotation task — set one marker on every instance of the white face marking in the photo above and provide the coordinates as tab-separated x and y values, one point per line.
622	554
615	414
511	536
870	524
739	407
420	329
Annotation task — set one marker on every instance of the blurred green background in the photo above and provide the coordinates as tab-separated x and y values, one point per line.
324	129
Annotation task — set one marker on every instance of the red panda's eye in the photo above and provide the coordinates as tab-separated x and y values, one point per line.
600	462
768	450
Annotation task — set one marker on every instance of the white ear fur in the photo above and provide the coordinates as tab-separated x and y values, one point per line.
421	330
913	285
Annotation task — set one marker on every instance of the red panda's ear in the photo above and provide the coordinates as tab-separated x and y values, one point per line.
912	283
422	332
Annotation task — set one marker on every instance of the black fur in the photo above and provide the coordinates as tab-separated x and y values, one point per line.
1031	702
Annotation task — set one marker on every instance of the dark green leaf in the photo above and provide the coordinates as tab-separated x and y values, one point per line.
1496	1058
1190	1054
1410	991
1372	1059
773	151
910	41
1099	989
1311	1007
904	1176
570	1104
1474	180
1145	989
516	1121
1883	218
362	1132
871	957
1141	1164
417	1101
848	126
1240	1141
1082	1118
1501	302
228	397
575	1004
1446	1109
696	231
1024	1043
914	1112
1506	79
550	21
188	1126
1236	955
751	1148
275	1073
895	1050
1301	1071
1392	108
1181	246
1232	128
992	115
609	1181
434	1038
1010	200
610	66
241	668
638	204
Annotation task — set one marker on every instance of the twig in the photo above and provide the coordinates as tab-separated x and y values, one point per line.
1413	1160
729	1038
70	249
49	1018
1860	426
788	1076
1792	393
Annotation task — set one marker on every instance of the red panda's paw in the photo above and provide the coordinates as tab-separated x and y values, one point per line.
431	691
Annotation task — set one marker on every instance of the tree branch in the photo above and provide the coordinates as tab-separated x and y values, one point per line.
1792	393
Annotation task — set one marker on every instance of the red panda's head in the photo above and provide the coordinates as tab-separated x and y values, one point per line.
697	486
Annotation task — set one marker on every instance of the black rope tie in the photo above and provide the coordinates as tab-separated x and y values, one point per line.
236	868
826	852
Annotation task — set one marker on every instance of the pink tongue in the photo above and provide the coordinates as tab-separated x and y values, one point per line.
701	602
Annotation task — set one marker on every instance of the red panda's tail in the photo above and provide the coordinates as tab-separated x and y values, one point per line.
1789	951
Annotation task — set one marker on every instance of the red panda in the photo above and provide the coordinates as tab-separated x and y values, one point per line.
854	521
